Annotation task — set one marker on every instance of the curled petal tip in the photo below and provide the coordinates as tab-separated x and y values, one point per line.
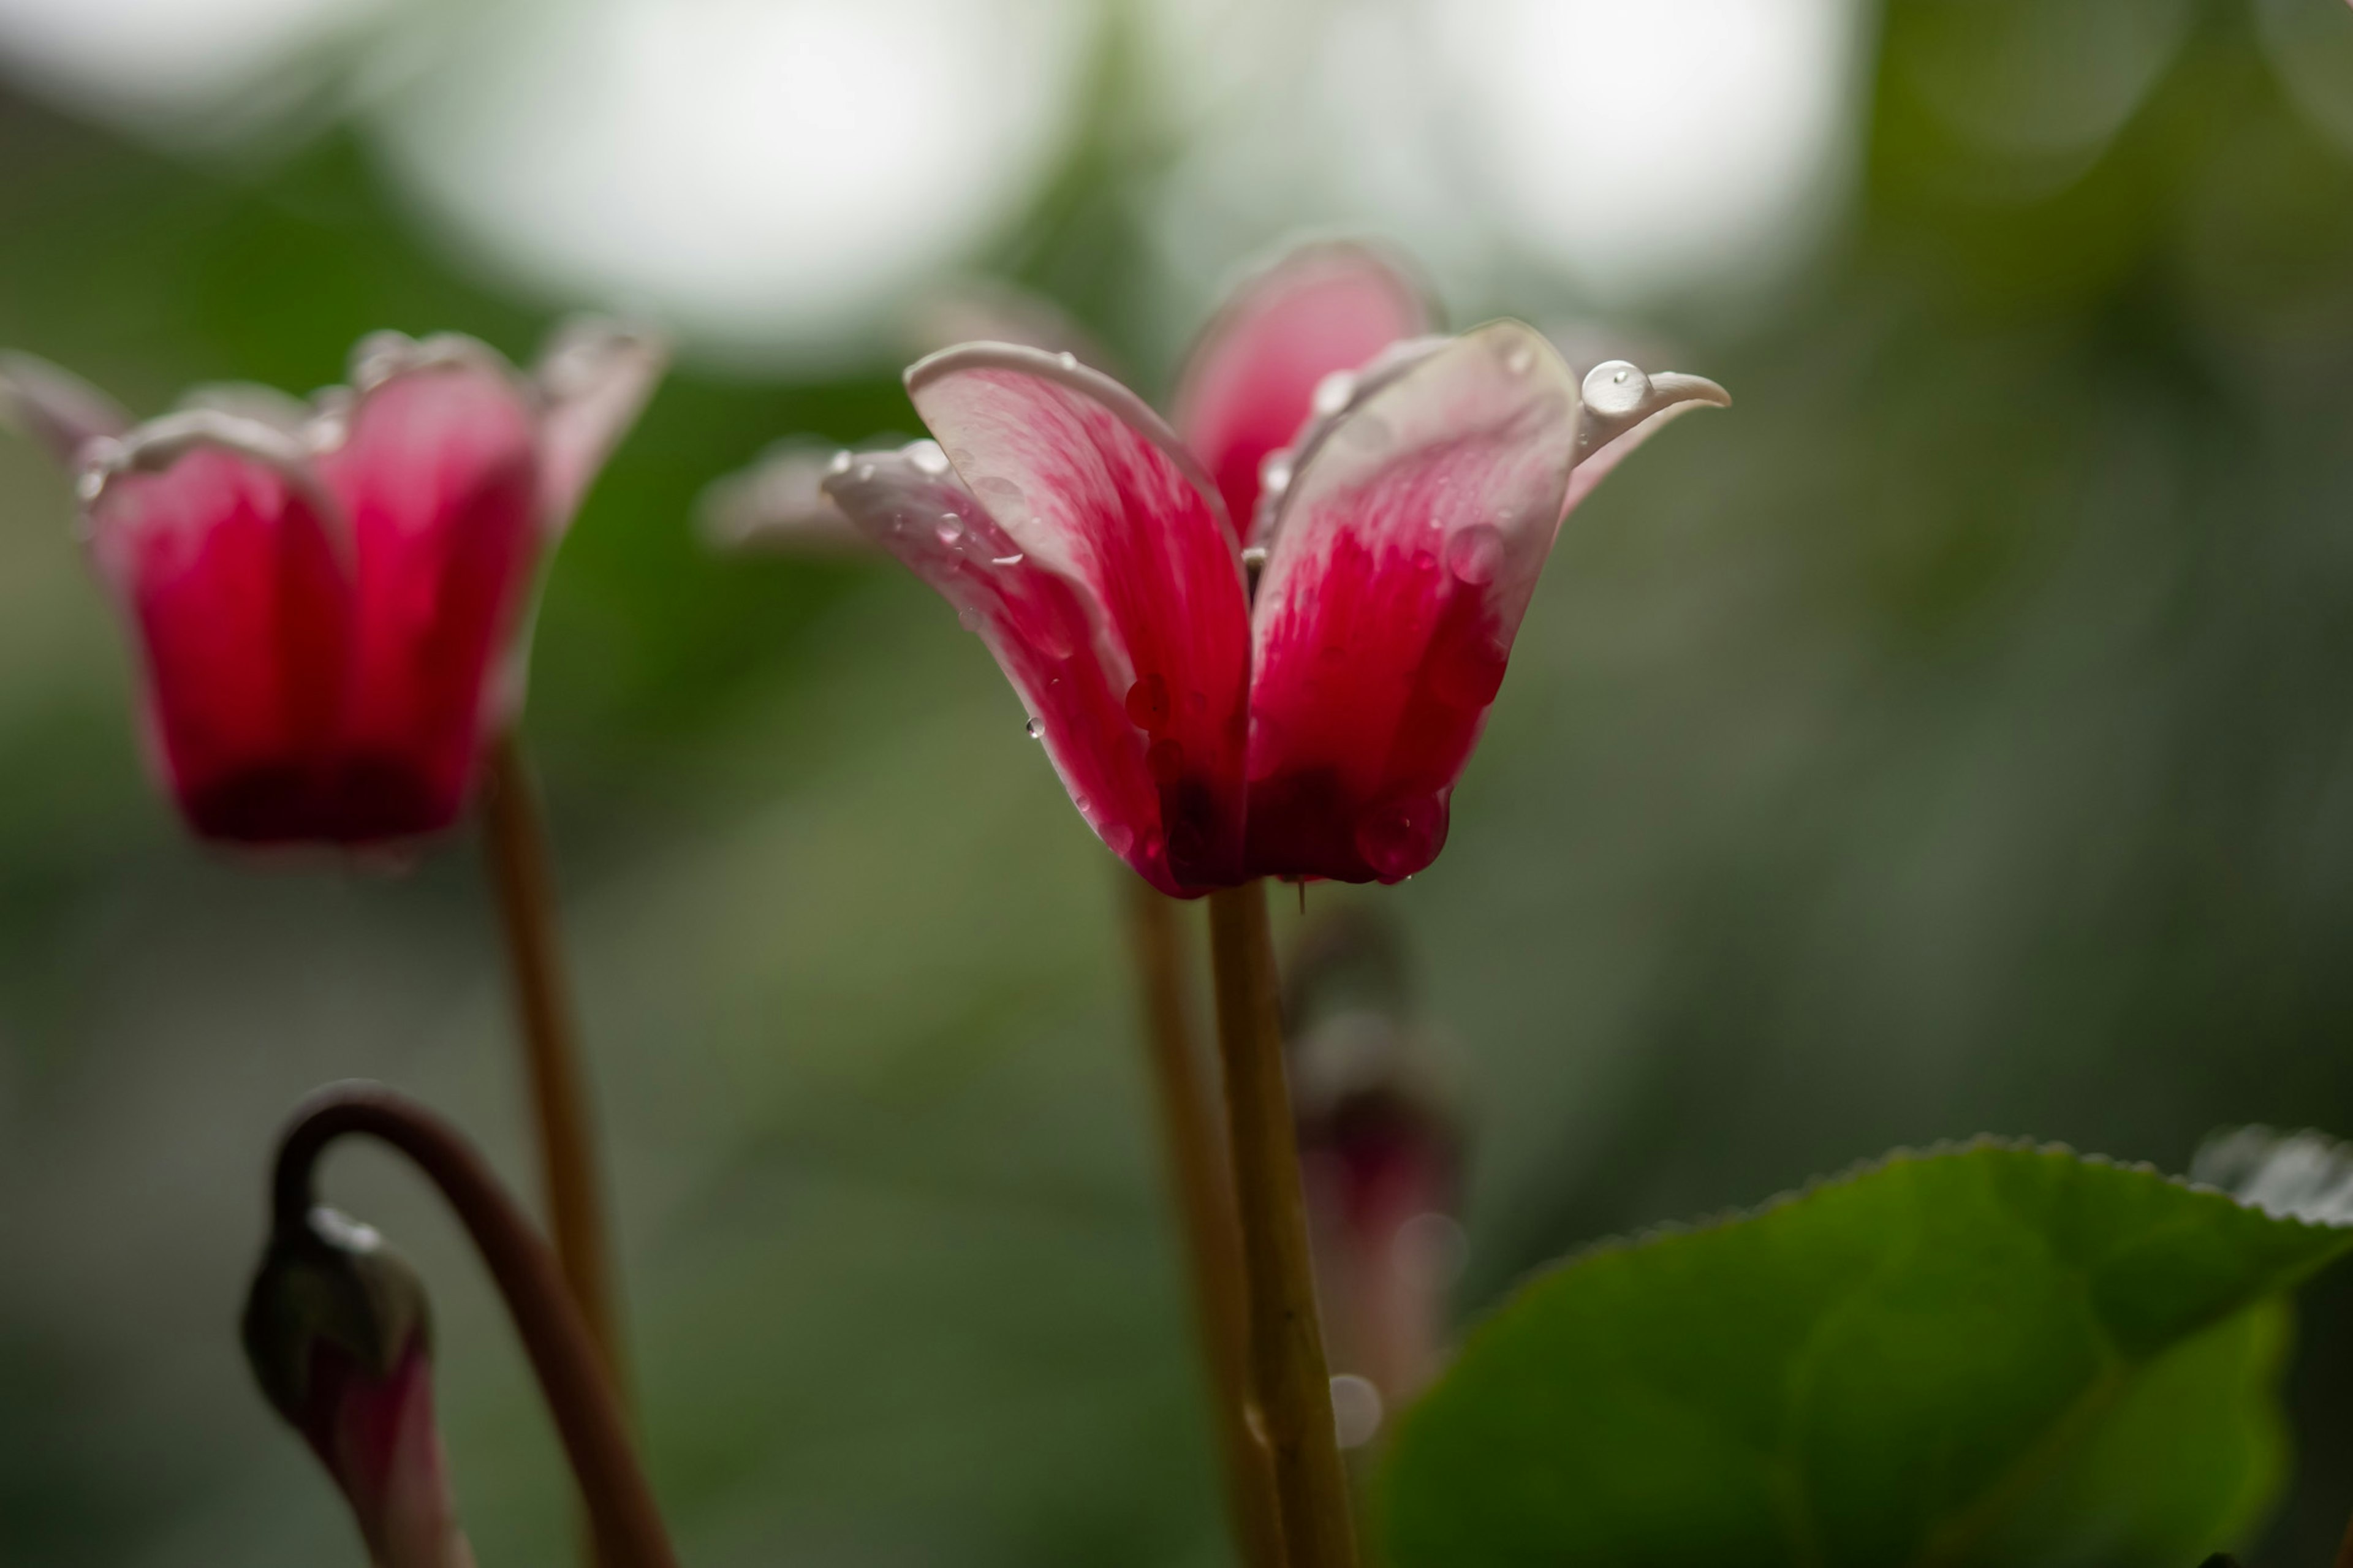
779	506
1617	395
55	407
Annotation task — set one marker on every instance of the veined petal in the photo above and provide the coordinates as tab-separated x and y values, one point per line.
220	543
1088	486
57	408
1320	310
1405	554
438	470
594	378
1045	632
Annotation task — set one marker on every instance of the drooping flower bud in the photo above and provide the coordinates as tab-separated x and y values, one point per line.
1380	1155
337	1329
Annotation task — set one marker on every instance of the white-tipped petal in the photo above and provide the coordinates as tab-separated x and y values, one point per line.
57	408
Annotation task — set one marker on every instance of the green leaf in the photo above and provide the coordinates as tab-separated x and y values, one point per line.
1991	1354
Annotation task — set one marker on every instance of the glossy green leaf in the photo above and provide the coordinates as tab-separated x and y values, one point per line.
1996	1355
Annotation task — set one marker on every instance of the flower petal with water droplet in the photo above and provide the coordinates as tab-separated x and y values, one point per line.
1044	630
1390	601
1093	489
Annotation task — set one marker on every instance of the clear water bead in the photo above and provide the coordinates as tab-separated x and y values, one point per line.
1616	388
1274	473
840	464
1036	728
1335	391
928	459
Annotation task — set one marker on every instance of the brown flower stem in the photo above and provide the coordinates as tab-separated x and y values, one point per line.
622	1514
515	839
1288	1378
1196	1176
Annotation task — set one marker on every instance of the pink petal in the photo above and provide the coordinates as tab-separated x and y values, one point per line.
595	377
1089	488
55	407
1252	380
1404	557
438	476
379	1440
1040	626
214	537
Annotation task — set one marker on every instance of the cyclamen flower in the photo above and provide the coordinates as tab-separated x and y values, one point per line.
330	598
1394	497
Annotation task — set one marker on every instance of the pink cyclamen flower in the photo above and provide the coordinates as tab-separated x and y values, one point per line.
330	597
1262	643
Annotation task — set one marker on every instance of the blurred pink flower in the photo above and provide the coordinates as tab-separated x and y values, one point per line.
1265	644
330	598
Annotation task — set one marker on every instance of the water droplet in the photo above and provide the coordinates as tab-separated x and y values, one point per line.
1066	360
1036	727
1147	704
1615	389
1274	473
1521	360
950	529
969	619
1082	802
1165	762
928	459
865	472
1335	391
91	486
997	486
840	464
1399	838
1119	838
1013	559
1475	554
1355	1410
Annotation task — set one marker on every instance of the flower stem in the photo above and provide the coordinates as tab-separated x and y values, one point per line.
1289	1380
620	1506
1198	1175
515	838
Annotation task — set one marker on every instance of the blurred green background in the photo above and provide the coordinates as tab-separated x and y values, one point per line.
1956	736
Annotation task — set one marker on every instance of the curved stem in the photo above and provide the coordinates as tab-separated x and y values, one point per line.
515	836
1289	1378
1196	1176
620	1504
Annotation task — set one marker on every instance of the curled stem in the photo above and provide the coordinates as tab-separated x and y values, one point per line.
1290	1383
622	1514
1197	1177
515	838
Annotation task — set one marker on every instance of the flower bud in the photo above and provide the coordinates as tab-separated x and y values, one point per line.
337	1331
1380	1155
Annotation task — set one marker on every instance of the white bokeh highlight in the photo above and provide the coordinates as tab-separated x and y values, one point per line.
158	64
767	176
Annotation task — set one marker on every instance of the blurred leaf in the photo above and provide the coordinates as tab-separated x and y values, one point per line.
1992	1354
